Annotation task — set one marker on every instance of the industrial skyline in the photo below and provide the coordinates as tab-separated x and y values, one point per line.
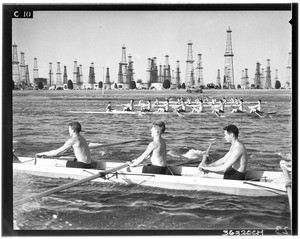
64	37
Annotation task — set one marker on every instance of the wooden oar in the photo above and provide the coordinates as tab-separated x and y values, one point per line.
207	152
101	173
96	145
258	114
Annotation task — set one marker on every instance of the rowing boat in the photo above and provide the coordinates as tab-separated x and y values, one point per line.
257	183
228	114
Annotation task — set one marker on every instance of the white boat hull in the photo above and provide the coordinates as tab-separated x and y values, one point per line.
184	178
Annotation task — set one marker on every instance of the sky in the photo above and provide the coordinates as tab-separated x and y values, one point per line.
98	37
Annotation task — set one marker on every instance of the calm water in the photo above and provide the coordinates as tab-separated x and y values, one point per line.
40	121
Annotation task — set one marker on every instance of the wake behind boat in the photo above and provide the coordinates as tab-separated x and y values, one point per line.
257	183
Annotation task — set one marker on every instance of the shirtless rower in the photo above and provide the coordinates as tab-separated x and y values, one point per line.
129	106
220	108
157	150
166	107
199	108
146	107
182	105
234	163
256	108
156	102
240	108
108	107
80	147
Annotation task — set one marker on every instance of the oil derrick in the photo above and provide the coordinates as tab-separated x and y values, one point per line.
189	80
75	72
107	77
177	75
160	74
130	76
58	75
122	75
167	70
289	72
228	69
148	73
78	79
263	78
173	77
92	76
276	78
257	81
50	74
243	80
218	82
199	71
35	69
268	84
80	76
153	71
23	69
65	76
15	65
27	75
247	79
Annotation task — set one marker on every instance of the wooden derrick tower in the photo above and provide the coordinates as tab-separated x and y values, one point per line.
92	80
289	72
35	69
50	74
218	82
65	76
247	79
123	71
228	69
75	72
23	69
177	75
189	73
199	71
257	80
15	65
268	84
166	70
58	75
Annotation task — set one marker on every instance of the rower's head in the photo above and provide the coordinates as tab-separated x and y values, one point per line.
259	101
230	132
74	127
158	127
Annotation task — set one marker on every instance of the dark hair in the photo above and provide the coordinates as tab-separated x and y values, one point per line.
75	126
232	129
160	125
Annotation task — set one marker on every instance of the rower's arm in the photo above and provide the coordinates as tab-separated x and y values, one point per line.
221	160
229	161
58	151
147	152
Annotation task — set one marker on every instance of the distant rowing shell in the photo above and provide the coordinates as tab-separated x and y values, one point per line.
118	112
131	112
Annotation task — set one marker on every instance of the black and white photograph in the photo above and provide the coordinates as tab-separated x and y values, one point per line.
149	119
